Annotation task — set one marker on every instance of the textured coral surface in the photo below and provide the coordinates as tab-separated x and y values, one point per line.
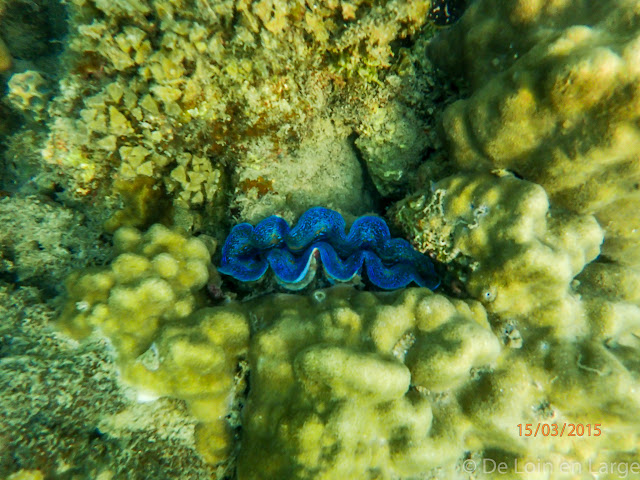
347	384
503	144
195	102
555	99
514	252
64	411
145	304
42	241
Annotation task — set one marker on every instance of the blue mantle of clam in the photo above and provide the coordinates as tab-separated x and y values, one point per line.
319	235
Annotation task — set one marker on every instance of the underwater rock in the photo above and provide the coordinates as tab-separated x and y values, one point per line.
320	233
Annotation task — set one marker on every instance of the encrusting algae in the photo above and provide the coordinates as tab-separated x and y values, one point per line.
518	174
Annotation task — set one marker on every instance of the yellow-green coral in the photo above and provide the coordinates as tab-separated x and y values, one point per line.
331	395
198	361
195	180
612	295
26	475
410	384
145	302
521	255
5	56
392	140
554	99
154	280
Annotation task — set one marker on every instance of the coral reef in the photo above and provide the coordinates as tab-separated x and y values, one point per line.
199	361
42	242
63	410
195	98
410	384
216	111
146	302
203	114
392	141
554	99
349	384
320	232
321	169
513	252
330	389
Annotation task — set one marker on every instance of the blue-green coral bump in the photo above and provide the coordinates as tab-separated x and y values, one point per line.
292	253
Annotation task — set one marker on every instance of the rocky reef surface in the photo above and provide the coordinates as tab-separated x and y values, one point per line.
500	138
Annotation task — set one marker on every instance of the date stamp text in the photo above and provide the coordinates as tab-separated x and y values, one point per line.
559	430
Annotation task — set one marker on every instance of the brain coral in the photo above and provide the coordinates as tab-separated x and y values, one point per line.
555	97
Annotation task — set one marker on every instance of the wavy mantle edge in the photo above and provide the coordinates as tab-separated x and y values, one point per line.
293	253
